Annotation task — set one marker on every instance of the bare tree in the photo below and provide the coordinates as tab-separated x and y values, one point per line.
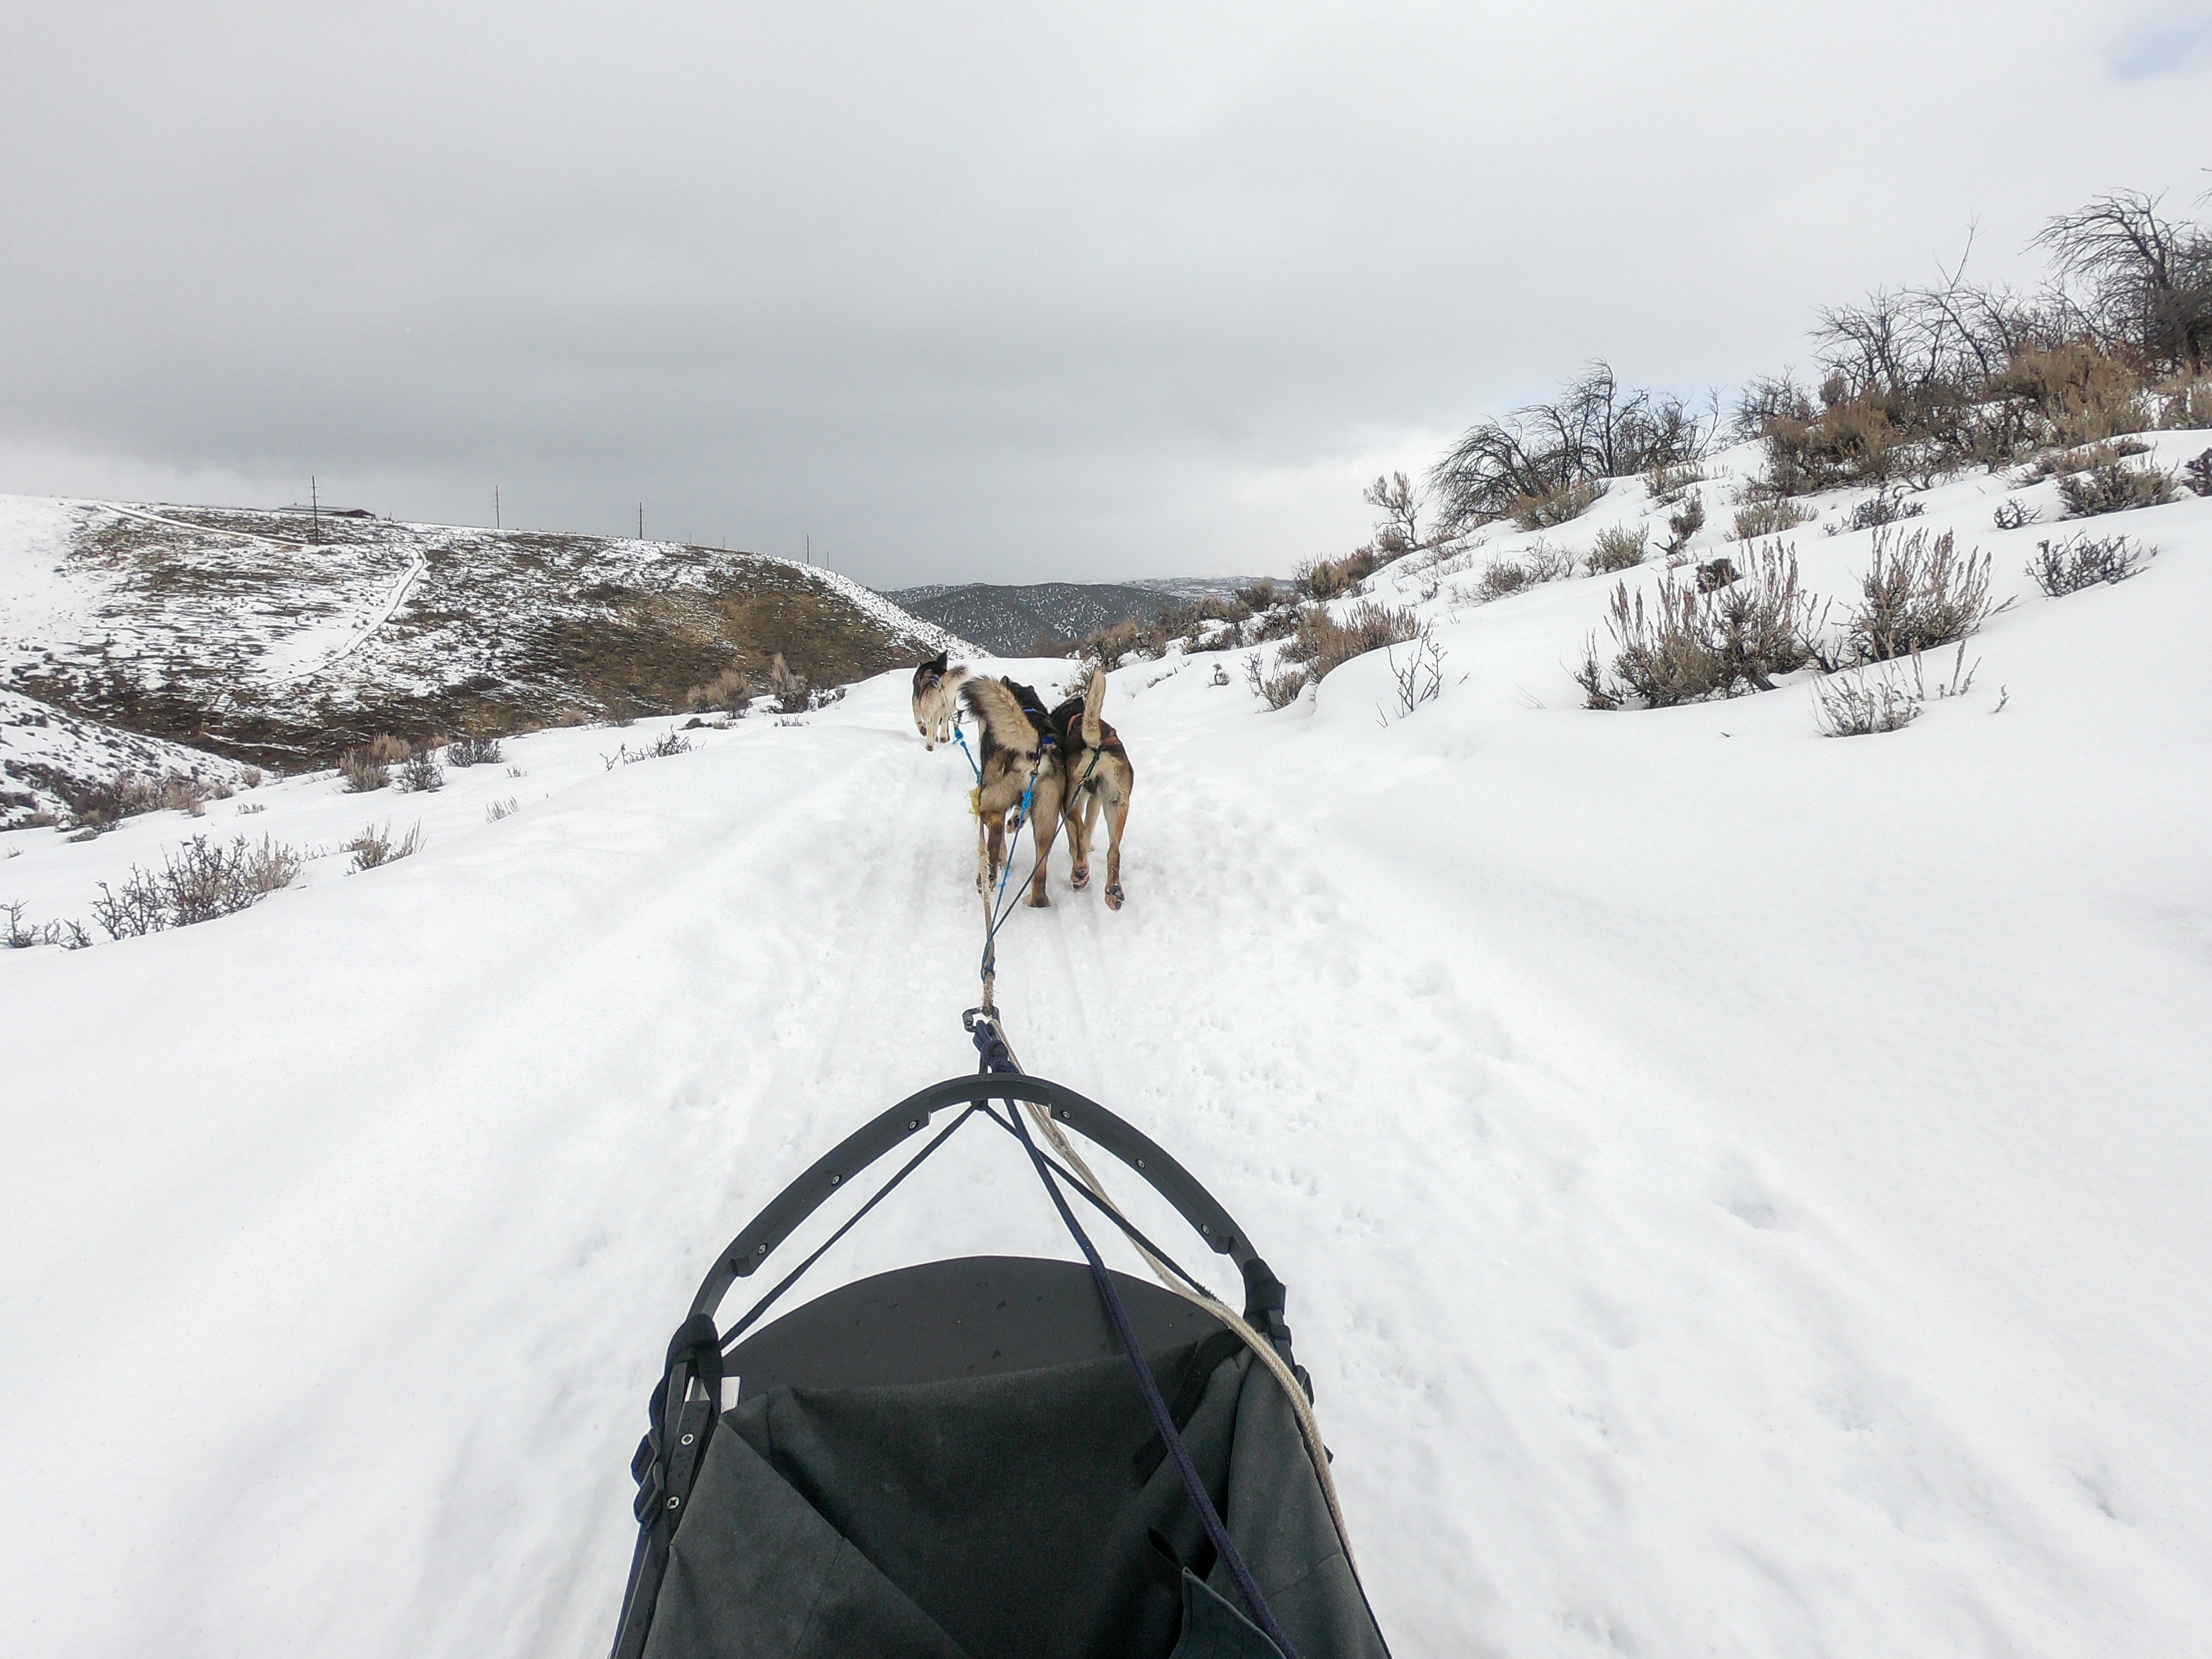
2147	279
1597	429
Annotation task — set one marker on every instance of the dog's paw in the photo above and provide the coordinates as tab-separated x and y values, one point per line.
1079	880
1040	901
1113	897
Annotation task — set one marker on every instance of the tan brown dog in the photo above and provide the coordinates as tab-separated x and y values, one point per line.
936	694
1099	777
1018	746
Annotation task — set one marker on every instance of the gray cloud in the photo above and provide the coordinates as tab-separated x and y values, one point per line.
977	291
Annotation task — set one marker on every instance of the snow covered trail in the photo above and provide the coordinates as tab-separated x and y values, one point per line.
1741	1192
385	611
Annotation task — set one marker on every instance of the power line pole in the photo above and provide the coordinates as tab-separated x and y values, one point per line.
640	521
314	511
495	524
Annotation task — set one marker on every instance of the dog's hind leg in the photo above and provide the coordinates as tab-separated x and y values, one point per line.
1119	816
1044	825
1082	813
995	832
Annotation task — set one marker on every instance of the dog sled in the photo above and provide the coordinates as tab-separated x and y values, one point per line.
996	1457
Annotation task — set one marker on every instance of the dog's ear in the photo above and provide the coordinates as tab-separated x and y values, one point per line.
936	664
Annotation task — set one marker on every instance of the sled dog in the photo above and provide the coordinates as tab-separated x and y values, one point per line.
936	693
1098	778
1018	743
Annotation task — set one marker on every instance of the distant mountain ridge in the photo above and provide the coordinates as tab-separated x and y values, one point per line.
1016	620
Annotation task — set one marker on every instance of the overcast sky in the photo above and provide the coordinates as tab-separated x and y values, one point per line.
1005	292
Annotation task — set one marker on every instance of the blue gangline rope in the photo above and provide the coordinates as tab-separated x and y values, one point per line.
991	1044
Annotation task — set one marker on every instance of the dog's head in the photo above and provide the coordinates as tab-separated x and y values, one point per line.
926	677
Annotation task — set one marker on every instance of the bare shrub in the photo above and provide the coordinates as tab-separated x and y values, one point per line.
1529	569
1883	506
2075	394
473	751
1689	644
17	934
2083	561
102	803
1917	593
730	692
500	809
1276	690
1684	522
1329	578
1420	678
387	750
2185	403
1667	485
1756	519
250	808
1717	573
1259	594
671	742
251	777
197	883
1853	705
1851	441
420	773
1108	646
1556	507
362	771
374	845
1618	547
789	686
2015	515
2081	458
1324	644
2115	487
2198	474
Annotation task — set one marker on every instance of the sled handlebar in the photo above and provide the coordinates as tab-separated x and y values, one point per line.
829	1175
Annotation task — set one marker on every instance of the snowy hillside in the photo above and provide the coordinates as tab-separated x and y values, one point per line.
1742	1191
48	757
1014	618
281	639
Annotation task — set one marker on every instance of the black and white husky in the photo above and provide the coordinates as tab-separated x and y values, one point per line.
937	698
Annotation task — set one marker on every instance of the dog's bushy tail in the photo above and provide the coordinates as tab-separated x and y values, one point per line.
1094	705
1000	713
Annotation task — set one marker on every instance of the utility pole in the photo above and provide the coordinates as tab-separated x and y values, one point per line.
314	511
494	507
810	548
640	521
